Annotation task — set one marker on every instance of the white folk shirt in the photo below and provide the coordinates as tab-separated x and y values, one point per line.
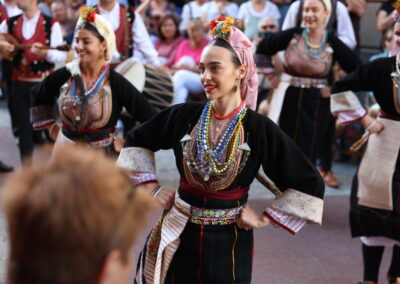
12	10
28	30
141	38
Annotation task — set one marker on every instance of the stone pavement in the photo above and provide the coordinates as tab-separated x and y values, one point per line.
318	254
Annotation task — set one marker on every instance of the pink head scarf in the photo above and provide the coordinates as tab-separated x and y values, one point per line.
221	28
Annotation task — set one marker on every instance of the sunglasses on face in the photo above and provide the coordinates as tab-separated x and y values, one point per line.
268	27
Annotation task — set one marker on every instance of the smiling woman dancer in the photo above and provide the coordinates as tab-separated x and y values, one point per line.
206	232
90	94
301	102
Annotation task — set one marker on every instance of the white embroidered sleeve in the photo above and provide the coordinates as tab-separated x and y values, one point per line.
288	222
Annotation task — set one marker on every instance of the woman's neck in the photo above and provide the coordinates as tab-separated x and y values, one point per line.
224	106
91	71
316	35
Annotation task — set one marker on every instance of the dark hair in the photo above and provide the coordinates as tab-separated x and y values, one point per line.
163	19
92	29
223	43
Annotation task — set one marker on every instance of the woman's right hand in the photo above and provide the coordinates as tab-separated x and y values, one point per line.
166	198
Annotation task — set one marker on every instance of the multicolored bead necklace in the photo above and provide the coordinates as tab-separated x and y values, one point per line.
314	52
210	161
94	88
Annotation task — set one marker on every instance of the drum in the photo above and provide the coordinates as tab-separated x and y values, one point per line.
156	85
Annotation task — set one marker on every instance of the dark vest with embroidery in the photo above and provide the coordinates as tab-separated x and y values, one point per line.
27	65
123	35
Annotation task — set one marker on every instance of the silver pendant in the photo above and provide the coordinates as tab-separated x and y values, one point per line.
186	138
206	178
244	147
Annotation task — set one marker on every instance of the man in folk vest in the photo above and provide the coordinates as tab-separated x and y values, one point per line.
8	9
129	31
32	64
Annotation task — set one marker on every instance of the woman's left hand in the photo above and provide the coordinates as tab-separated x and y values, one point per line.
250	219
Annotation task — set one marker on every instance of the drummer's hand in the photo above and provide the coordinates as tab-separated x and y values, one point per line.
37	50
166	198
250	219
5	46
164	68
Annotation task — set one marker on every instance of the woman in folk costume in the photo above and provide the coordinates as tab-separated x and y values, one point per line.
300	104
375	197
90	94
206	232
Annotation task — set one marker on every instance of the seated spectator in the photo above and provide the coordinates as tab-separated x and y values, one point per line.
386	45
59	10
268	67
73	7
45	8
73	220
190	11
169	38
185	70
384	15
283	6
213	9
251	12
153	10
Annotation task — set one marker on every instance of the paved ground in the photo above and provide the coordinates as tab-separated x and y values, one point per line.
323	254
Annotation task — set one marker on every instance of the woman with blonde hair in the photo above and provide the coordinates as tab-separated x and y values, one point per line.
300	104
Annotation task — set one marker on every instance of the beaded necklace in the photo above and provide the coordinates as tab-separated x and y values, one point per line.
314	52
93	89
208	160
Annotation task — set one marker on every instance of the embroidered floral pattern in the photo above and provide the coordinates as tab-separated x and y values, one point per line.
301	205
137	159
214	216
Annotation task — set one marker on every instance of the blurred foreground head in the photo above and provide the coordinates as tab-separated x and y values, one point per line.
73	220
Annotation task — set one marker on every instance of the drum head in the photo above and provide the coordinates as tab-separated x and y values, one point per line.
133	70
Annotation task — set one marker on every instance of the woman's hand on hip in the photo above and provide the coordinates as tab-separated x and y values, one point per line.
250	219
166	198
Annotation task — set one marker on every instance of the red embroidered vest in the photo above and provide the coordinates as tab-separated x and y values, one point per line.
30	67
123	34
3	13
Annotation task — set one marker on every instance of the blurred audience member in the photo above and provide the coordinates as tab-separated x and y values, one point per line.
251	12
268	67
59	10
186	78
191	10
73	220
169	38
153	10
213	9
73	7
283	6
130	32
384	15
386	45
356	9
45	7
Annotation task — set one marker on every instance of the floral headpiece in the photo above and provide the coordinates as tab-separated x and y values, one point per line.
221	27
88	14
